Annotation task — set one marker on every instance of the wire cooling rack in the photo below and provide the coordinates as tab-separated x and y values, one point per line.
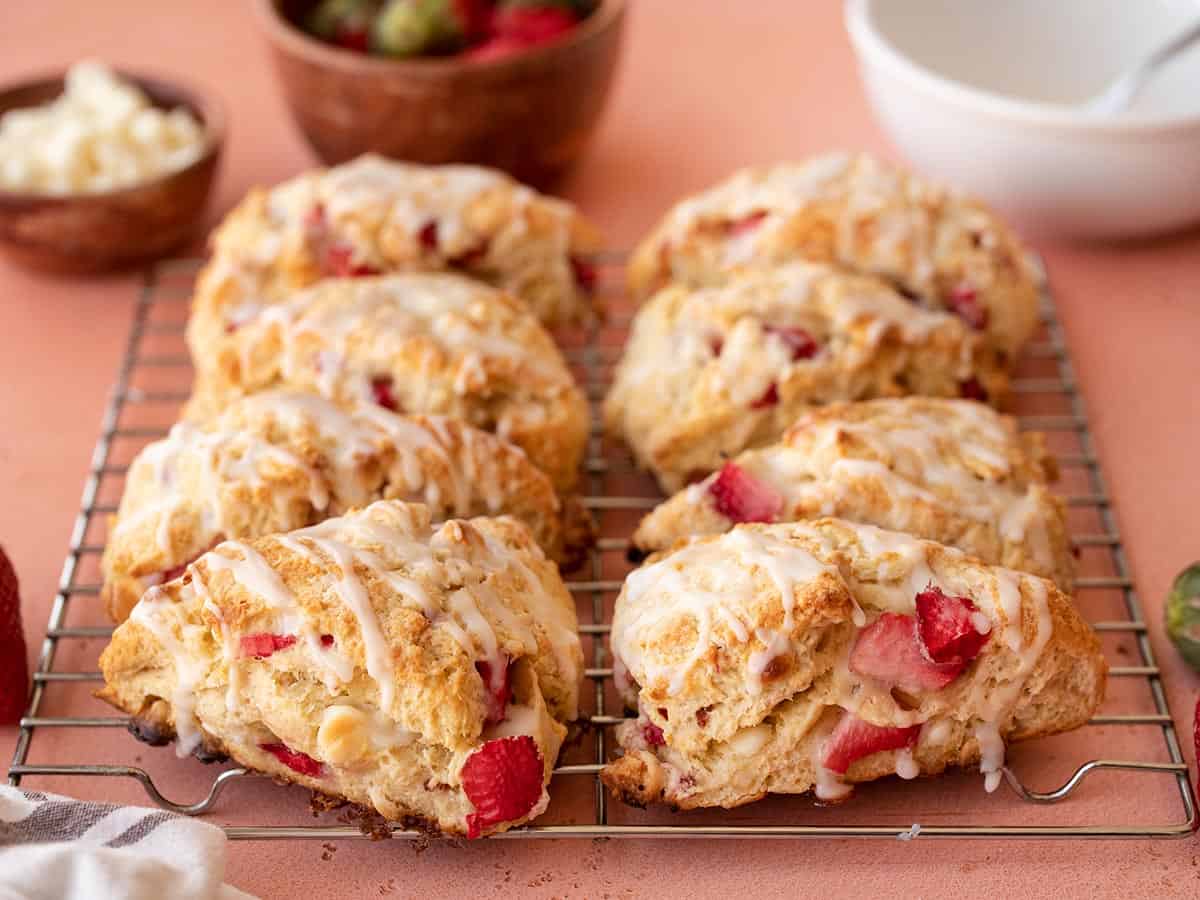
1122	776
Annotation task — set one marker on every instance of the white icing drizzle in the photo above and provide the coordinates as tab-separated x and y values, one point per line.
158	614
991	754
708	582
906	766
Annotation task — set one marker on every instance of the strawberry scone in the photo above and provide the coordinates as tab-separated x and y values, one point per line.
373	215
944	250
281	460
709	372
952	471
425	672
434	344
813	655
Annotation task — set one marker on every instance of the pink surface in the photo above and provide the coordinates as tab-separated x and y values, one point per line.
699	94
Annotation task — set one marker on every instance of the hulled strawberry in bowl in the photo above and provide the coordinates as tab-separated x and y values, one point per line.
514	84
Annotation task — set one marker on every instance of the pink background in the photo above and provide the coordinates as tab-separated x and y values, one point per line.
703	89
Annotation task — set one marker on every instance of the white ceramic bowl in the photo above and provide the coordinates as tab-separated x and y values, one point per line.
980	94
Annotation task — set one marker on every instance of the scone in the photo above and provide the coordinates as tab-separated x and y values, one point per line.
424	672
951	471
278	461
944	250
433	344
375	215
813	655
709	372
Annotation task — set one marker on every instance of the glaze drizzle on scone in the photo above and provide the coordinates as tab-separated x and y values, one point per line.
809	656
373	215
281	460
373	657
947	251
439	344
710	372
953	471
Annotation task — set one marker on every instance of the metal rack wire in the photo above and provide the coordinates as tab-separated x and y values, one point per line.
153	373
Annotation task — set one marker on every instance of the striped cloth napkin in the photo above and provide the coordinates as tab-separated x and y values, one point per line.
56	848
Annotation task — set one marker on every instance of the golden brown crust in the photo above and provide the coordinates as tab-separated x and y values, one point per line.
738	690
948	251
277	461
952	471
433	344
710	372
362	677
374	215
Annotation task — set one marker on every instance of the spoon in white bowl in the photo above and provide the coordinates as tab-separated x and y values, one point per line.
1123	90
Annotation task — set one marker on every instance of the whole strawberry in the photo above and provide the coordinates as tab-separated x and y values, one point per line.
14	676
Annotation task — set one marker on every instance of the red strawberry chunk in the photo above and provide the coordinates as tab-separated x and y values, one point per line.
338	260
746	224
584	273
531	25
503	778
946	627
295	760
769	398
653	735
496	683
381	392
802	344
327	641
853	739
428	235
888	649
740	496
14	674
716	344
472	17
971	389
964	302
263	644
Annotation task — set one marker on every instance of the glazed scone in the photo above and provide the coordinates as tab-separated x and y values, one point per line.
425	672
813	655
709	372
279	460
435	344
951	471
373	215
939	247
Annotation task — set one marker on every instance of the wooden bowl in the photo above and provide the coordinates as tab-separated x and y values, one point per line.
529	114
82	233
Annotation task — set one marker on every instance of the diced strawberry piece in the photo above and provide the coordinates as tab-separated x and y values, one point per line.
746	224
802	344
888	649
971	389
338	260
353	38
327	641
14	672
770	397
653	735
716	344
295	760
946	627
263	644
584	273
964	301
532	25
740	496
854	739
381	392
472	17
428	235
314	220
496	684
503	778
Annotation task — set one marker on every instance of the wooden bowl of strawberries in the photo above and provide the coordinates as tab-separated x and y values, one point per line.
514	84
